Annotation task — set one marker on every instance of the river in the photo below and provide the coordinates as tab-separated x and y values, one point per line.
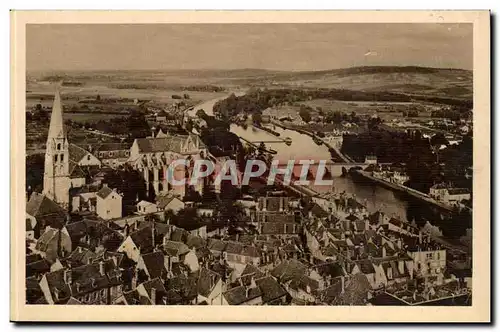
371	195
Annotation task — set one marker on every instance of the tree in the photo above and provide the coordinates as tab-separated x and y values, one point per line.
257	118
436	141
201	114
137	125
305	115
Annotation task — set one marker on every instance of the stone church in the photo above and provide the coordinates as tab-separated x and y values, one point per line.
64	162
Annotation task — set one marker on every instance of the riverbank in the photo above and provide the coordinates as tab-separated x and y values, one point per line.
407	190
335	153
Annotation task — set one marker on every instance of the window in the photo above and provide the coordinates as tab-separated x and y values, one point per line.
429	255
55	158
62	157
88	157
58	146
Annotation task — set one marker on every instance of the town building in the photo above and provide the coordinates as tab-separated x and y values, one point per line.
152	156
109	203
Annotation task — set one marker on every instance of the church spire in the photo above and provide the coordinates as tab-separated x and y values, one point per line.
56	129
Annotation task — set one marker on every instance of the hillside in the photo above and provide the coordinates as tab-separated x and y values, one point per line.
438	82
443	82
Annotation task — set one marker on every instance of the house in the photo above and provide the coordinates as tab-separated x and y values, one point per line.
441	192
428	261
95	283
93	234
349	290
84	201
113	155
371	160
438	191
456	195
169	203
209	286
161	116
272	292
236	254
152	264
45	212
30	227
132	297
145	207
54	243
141	241
109	203
81	157
242	295
154	291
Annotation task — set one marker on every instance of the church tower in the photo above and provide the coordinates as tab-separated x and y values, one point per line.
56	180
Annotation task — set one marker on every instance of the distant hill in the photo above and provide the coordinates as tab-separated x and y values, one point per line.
441	82
445	82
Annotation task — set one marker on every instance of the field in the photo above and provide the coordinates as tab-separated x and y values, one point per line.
103	95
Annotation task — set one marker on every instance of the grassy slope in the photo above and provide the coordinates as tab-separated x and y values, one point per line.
410	79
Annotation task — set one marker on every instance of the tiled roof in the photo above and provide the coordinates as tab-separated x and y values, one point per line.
43	208
331	269
171	143
37	268
458	191
104	192
159	288
112	147
288	270
174	248
143	238
241	294
207	280
134	298
270	289
76	153
164	200
252	270
154	263
84	278
365	266
47	237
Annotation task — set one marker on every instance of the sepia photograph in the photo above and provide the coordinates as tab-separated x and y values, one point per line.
324	166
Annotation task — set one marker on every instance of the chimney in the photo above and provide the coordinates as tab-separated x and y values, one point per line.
342	280
134	279
101	268
384	251
59	245
153	295
153	234
67	277
247	292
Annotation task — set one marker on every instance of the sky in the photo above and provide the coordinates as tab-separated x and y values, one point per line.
296	47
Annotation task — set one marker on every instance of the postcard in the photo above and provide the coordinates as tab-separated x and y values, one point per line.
315	166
